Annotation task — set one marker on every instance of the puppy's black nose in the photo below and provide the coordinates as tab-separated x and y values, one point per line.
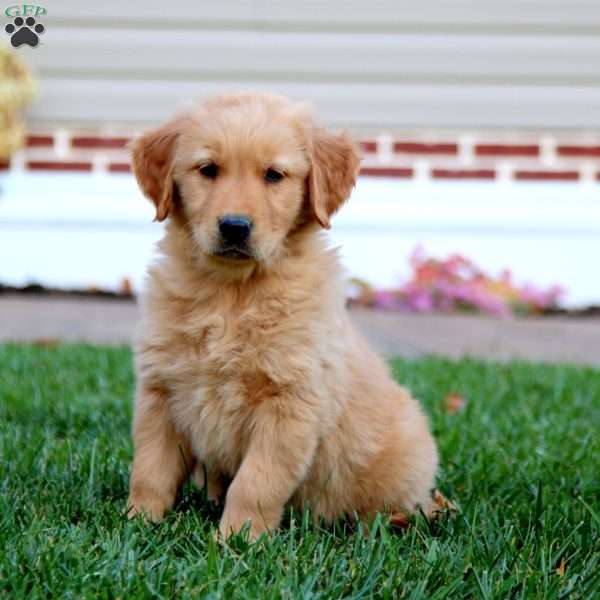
235	229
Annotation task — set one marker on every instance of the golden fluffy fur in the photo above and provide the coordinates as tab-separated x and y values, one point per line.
248	368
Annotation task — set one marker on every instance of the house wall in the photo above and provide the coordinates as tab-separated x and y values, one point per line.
372	66
479	121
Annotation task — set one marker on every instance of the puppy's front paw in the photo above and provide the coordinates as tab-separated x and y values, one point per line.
233	522
151	507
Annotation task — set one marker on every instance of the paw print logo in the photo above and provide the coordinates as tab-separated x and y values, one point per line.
24	31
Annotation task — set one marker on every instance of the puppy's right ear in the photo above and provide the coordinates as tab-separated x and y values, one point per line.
152	159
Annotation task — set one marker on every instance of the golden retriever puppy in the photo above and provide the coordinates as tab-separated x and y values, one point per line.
250	374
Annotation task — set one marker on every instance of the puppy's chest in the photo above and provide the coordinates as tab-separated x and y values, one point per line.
227	375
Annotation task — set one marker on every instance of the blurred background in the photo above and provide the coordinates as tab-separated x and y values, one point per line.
479	122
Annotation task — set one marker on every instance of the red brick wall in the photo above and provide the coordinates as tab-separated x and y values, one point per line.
463	155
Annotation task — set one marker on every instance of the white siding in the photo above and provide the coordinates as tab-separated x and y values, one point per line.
96	229
367	65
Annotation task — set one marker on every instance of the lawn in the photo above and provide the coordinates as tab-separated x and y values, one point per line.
522	461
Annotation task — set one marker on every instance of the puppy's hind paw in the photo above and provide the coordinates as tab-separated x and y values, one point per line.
400	520
215	489
438	506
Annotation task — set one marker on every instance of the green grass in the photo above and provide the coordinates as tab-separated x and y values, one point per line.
522	461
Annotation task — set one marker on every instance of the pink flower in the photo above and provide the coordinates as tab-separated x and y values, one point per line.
456	283
385	299
418	300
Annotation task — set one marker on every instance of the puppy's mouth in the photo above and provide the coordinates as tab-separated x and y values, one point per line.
234	253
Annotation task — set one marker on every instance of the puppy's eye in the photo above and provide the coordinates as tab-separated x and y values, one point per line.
209	170
273	176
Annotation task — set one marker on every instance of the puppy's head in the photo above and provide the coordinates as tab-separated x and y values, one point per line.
241	173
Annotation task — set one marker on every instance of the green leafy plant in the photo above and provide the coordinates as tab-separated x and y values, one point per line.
17	89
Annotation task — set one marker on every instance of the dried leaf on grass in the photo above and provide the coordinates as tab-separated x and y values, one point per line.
48	342
454	403
560	571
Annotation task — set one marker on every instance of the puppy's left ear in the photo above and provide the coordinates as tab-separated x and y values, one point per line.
335	163
152	161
